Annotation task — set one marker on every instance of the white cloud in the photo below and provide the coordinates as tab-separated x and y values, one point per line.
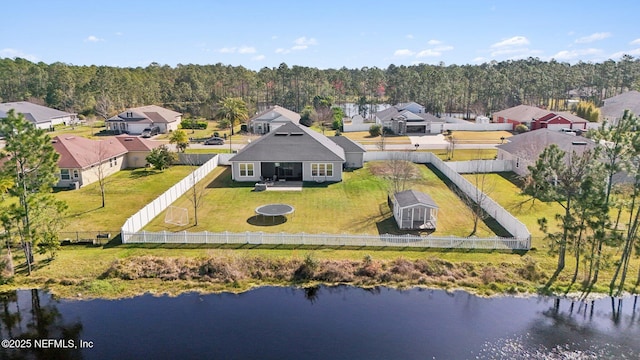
434	42
574	54
119	33
92	38
239	50
510	42
258	58
227	50
593	37
479	59
273	37
443	48
299	47
246	50
403	52
619	54
409	36
13	53
635	42
282	51
428	53
303	41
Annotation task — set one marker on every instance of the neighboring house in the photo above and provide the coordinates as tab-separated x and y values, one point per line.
524	149
521	114
82	161
559	121
614	107
353	151
409	118
290	152
41	116
135	120
271	119
414	210
356	123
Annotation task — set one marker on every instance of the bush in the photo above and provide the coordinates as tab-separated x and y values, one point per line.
336	124
375	130
521	128
194	124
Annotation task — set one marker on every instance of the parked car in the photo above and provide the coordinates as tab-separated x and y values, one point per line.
150	131
214	141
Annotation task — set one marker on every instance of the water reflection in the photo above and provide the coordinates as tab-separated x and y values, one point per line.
325	322
30	316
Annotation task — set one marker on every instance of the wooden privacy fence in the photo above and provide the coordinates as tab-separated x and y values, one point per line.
386	240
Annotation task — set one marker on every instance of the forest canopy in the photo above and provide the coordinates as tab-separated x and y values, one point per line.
197	89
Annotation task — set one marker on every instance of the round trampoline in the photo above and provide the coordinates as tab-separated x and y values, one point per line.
274	210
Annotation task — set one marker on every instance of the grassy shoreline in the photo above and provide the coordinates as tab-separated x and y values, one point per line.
121	271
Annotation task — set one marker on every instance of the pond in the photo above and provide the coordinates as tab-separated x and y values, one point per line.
318	323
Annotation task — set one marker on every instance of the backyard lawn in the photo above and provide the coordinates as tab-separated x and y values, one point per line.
485	137
357	205
127	191
364	138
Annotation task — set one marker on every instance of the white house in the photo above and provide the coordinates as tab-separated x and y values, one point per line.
135	120
271	119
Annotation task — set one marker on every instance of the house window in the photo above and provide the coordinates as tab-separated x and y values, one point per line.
517	162
64	174
76	174
321	169
246	169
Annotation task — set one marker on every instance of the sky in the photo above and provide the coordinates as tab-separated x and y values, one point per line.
321	34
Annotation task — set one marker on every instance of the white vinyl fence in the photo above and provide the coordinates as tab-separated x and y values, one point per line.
480	166
509	222
140	219
262	238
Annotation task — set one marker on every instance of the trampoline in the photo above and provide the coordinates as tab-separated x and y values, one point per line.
274	210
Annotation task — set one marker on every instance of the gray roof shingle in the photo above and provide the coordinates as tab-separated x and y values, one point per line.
413	197
289	143
32	112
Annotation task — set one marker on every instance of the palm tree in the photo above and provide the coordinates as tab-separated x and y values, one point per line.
232	109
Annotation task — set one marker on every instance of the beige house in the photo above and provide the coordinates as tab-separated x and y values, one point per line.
271	119
83	161
135	120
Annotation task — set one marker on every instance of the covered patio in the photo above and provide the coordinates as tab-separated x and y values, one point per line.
276	171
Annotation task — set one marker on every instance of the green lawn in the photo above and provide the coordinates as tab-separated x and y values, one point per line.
486	137
126	192
364	138
357	205
466	154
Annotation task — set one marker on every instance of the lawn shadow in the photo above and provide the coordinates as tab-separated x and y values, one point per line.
224	181
83	212
140	173
259	220
487	219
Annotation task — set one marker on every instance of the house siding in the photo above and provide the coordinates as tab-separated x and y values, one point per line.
235	171
307	174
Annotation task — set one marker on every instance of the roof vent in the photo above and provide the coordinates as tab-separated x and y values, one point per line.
128	139
296	133
280	133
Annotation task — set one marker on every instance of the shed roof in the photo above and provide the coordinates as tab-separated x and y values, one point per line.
412	197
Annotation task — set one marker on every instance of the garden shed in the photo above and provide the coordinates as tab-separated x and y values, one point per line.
414	210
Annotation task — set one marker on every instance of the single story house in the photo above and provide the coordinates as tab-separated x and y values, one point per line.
560	121
82	161
271	119
135	120
524	149
414	210
409	119
521	114
614	107
353	151
290	152
41	116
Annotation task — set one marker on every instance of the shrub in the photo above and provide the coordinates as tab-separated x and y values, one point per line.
375	130
521	128
194	124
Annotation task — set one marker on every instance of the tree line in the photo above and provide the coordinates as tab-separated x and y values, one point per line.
197	89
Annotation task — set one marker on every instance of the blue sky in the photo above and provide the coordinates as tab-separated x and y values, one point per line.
323	34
